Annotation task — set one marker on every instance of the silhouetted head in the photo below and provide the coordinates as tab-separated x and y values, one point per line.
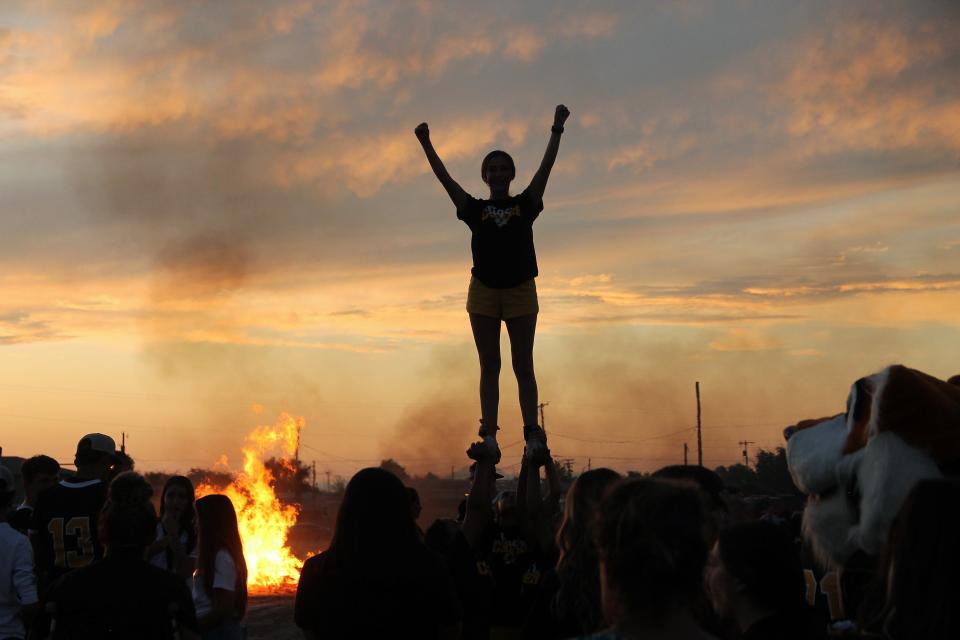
128	521
497	170
441	535
652	548
580	510
757	563
39	472
374	520
96	456
922	600
711	491
505	510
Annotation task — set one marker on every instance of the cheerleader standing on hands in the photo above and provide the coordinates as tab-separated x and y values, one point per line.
502	286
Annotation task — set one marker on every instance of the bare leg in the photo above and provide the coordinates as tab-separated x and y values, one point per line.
522	331
486	333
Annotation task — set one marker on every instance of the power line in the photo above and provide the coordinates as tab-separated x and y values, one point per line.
634	441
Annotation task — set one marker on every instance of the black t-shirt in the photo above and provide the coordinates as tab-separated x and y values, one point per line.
502	242
65	528
121	597
476	589
515	566
336	603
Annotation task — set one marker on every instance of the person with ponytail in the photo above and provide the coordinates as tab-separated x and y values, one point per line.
220	581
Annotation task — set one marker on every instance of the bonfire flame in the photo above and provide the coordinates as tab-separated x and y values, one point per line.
263	520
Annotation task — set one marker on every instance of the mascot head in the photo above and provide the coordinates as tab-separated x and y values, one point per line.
857	468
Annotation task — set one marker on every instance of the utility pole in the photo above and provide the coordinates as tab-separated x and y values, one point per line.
452	473
589	464
328	479
296	453
685	448
313	467
746	458
123	442
699	433
542	423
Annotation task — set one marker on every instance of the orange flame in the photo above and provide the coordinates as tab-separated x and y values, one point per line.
262	519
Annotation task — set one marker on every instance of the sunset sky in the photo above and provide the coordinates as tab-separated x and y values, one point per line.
211	206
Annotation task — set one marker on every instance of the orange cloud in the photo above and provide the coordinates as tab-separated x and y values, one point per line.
745	340
524	44
366	164
868	84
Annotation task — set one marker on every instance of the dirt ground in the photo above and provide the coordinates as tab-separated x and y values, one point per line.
271	616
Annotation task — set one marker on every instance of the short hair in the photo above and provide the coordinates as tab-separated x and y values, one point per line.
709	482
32	467
650	537
493	154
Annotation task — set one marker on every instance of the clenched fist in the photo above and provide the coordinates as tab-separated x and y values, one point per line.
422	132
559	117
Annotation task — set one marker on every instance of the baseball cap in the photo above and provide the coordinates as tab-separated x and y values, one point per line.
6	480
97	442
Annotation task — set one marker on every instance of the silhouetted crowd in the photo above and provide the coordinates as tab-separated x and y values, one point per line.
669	555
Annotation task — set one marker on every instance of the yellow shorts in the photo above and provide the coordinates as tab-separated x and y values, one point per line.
505	304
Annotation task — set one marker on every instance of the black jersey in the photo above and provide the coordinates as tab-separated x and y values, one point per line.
64	528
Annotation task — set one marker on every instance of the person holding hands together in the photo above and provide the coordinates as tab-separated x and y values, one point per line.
502	287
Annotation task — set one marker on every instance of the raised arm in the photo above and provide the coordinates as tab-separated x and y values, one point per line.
539	183
479	502
454	190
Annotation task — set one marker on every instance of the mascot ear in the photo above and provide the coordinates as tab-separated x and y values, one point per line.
859	403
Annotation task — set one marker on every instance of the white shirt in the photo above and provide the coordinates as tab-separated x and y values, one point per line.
224	577
18	584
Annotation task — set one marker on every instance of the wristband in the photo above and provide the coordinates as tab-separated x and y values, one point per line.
556	129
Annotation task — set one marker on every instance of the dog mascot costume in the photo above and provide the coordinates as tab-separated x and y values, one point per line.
857	468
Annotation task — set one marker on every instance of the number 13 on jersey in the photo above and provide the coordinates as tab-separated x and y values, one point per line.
78	529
